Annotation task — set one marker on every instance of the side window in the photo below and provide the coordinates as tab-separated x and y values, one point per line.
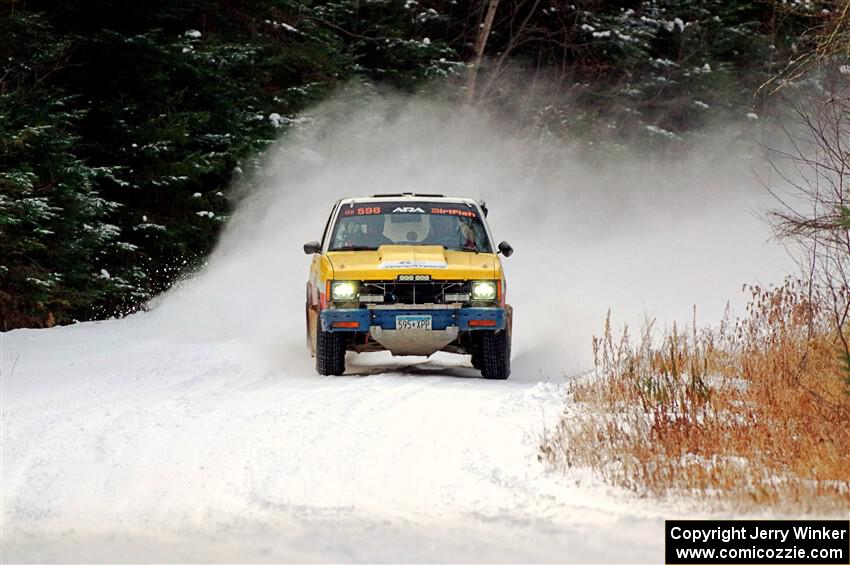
328	225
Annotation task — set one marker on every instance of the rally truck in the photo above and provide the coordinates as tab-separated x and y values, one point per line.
412	274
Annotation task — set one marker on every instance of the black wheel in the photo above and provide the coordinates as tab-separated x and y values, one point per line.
474	350
330	352
309	332
495	355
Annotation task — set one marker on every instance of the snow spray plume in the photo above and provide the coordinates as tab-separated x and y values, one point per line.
640	237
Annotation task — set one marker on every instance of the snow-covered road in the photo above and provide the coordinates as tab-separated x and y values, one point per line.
118	445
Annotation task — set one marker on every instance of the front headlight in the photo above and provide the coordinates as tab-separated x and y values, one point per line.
342	291
484	290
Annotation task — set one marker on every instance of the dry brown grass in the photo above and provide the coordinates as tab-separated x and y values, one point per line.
755	413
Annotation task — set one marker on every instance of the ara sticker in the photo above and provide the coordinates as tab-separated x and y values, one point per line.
408	210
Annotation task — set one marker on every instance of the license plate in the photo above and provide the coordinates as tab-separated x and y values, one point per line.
413	322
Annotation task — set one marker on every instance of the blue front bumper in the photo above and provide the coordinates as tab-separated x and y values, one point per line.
385	318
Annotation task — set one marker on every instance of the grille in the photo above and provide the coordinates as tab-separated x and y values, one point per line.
420	292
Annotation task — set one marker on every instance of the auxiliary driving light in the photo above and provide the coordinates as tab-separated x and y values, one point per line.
343	290
484	290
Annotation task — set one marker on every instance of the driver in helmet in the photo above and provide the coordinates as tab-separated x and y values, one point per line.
467	235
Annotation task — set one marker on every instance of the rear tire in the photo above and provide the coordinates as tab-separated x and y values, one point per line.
495	355
330	352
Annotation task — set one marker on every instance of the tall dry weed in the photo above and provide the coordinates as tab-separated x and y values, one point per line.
756	412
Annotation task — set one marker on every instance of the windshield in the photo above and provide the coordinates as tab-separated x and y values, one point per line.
456	227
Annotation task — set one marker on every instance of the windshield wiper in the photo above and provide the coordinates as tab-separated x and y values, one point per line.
356	248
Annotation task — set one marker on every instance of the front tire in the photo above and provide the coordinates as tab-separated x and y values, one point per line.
312	321
495	355
330	351
475	353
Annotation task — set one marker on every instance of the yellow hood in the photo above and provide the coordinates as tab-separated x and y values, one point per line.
389	261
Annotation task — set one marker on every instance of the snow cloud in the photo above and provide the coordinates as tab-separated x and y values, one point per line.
642	237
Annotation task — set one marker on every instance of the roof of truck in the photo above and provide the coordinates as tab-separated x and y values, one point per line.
405	196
